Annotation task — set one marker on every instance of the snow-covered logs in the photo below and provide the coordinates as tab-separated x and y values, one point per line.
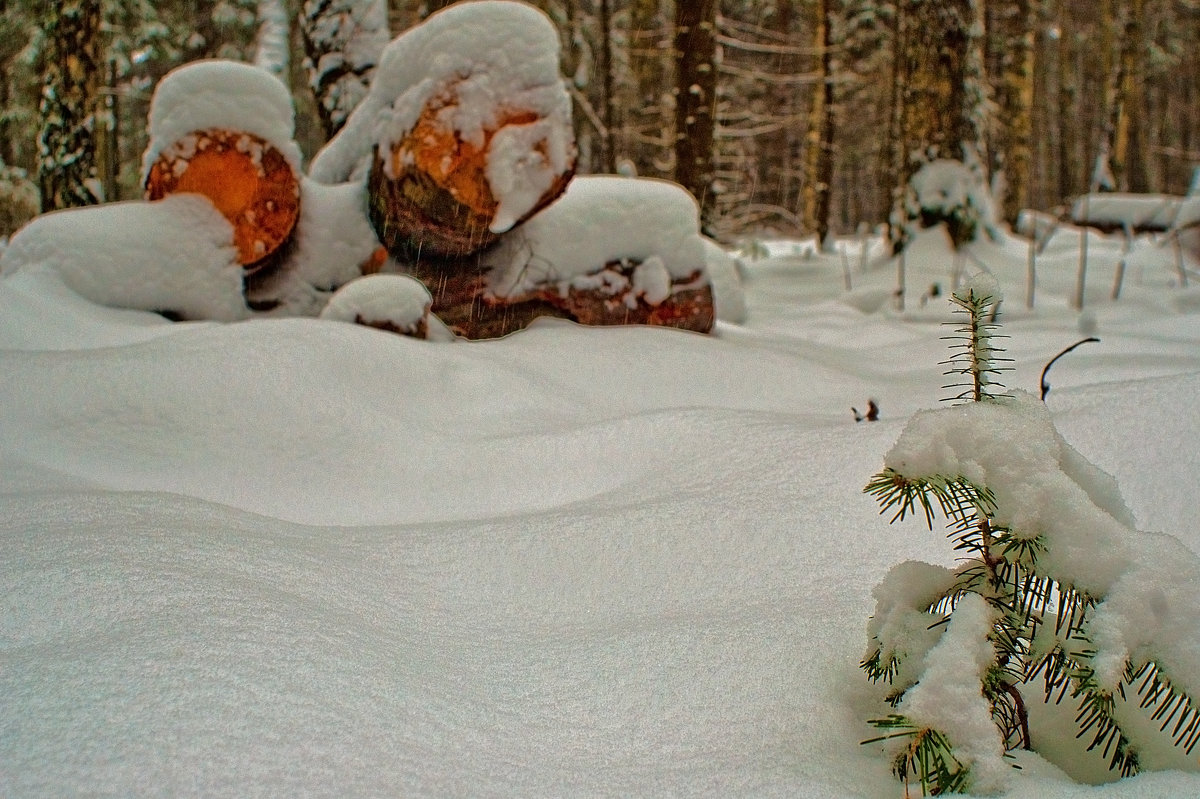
566	262
466	131
460	160
432	192
225	130
247	179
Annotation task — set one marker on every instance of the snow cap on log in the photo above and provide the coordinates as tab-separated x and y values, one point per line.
175	256
225	95
601	219
224	130
396	303
465	132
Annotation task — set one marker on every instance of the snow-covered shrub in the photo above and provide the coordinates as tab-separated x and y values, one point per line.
947	192
1056	594
18	199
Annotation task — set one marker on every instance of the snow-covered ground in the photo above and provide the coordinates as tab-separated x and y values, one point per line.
302	557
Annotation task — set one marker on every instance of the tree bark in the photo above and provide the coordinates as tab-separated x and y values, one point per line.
818	178
343	41
67	165
462	302
696	101
942	96
1012	70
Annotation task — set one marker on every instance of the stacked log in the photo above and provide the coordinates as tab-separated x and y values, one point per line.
247	179
430	192
454	170
224	130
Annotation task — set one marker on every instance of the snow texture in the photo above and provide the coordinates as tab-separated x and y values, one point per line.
227	95
486	59
949	698
599	220
393	299
292	557
174	255
725	277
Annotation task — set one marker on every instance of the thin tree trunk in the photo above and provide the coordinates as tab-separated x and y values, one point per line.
608	156
818	178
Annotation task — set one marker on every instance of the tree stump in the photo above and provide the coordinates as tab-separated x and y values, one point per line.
247	179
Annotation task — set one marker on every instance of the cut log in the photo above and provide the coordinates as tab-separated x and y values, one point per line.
433	194
247	179
463	302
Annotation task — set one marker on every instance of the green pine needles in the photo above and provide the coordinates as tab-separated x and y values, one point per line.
1032	632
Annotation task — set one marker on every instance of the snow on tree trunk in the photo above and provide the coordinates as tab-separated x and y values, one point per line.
941	93
343	40
271	48
67	151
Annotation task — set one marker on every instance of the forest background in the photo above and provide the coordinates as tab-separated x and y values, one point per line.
794	117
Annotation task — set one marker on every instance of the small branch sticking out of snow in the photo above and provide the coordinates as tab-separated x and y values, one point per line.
1045	386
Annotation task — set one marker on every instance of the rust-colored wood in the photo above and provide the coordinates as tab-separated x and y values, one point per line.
429	196
247	179
461	301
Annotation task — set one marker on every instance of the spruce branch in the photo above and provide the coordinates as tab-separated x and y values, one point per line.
928	756
1169	702
975	360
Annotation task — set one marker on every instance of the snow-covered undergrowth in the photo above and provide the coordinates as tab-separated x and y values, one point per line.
292	556
1056	595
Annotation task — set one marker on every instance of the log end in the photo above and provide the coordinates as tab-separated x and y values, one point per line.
247	179
431	193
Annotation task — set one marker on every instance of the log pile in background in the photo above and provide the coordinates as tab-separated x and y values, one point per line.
469	156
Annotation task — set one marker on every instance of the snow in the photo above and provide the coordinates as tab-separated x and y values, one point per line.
577	234
332	240
391	302
1124	211
290	556
176	255
949	697
217	94
479	61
